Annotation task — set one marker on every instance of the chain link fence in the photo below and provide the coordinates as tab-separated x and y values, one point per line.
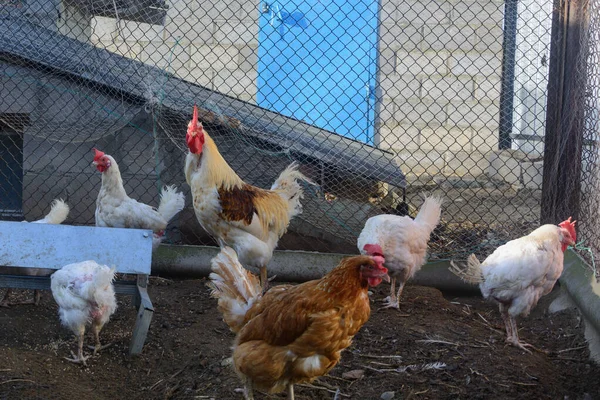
590	168
379	102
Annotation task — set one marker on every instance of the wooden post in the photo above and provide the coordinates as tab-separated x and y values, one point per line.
565	112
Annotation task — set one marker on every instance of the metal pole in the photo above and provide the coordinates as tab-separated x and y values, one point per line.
507	94
565	112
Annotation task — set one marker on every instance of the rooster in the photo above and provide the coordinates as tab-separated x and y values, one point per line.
292	334
58	213
404	243
85	295
519	272
236	214
115	209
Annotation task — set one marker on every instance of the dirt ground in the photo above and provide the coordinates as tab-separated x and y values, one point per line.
188	343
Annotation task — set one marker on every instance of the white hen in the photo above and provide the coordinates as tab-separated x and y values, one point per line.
58	213
403	241
85	296
521	271
115	209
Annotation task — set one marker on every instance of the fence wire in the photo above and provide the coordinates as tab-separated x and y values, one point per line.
590	169
380	102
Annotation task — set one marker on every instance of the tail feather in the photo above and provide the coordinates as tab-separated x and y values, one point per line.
470	273
235	288
171	202
288	187
58	213
430	212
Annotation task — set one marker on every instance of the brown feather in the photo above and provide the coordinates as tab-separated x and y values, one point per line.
241	203
237	203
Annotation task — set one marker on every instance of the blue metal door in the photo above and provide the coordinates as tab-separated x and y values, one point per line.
317	62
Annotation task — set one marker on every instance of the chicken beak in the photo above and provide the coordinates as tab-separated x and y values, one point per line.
94	163
386	278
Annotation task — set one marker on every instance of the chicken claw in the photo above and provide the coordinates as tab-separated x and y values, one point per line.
99	347
390	302
78	359
524	346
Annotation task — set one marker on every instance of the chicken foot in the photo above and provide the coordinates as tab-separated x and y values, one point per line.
80	358
512	332
393	300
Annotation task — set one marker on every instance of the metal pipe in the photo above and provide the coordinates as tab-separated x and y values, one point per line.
291	266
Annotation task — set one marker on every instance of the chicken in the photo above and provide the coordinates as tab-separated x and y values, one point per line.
404	243
115	209
236	214
519	272
292	334
85	295
58	213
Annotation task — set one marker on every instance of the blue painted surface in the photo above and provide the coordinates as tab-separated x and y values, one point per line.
317	62
54	246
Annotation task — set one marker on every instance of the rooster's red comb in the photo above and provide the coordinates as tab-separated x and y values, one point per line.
195	117
98	154
570	226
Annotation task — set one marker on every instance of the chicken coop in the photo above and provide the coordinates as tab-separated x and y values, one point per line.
487	103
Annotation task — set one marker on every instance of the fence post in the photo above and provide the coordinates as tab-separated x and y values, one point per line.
565	111
509	49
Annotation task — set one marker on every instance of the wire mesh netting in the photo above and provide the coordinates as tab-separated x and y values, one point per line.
379	102
590	173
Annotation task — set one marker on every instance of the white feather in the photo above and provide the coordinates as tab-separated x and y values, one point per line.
57	215
84	290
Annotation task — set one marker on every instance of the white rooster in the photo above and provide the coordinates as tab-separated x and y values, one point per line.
403	241
115	209
521	271
58	213
85	295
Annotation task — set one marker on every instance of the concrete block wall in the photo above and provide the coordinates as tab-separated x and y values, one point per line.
440	80
211	43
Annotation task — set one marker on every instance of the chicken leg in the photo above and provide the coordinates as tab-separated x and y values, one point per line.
264	280
80	358
514	338
393	300
96	328
506	319
290	392
248	390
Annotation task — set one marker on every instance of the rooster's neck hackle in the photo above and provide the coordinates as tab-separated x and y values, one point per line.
215	169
